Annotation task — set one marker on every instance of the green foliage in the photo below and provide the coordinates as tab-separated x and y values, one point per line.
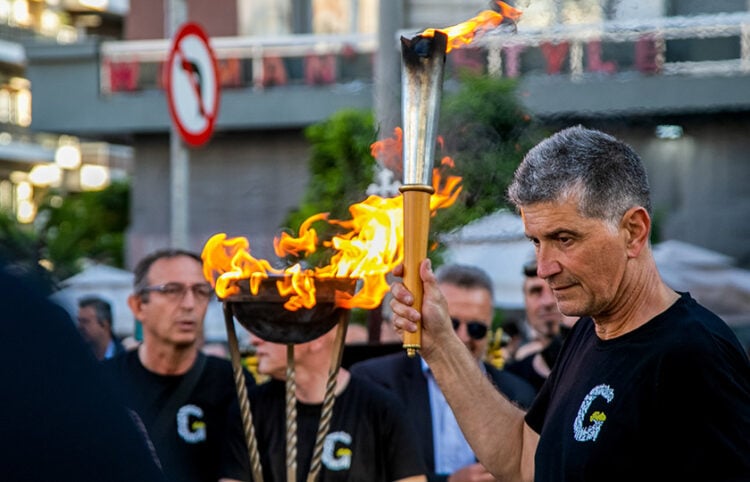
487	132
341	166
81	226
87	225
19	250
341	169
17	242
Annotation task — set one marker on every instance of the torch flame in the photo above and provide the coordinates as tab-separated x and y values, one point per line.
463	33
368	249
388	152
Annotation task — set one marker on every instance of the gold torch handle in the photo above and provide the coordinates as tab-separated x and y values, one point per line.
416	233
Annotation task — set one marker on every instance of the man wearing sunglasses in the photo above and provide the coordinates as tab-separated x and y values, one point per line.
181	396
469	294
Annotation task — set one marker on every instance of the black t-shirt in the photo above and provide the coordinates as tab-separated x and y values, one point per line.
667	401
524	368
204	440
369	439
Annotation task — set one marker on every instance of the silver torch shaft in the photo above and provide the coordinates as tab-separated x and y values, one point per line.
422	70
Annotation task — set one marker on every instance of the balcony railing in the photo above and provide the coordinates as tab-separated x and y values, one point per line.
247	61
698	45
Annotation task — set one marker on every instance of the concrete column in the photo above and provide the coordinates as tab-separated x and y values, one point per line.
387	80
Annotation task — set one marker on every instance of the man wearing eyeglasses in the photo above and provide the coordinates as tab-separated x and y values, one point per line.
182	396
469	294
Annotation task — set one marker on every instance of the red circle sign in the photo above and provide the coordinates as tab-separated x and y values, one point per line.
192	84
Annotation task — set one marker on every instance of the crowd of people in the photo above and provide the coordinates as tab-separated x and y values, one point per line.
615	376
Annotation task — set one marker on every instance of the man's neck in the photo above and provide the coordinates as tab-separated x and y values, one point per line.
311	385
645	297
167	360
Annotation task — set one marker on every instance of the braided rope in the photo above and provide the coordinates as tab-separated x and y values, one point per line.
291	416
329	398
239	381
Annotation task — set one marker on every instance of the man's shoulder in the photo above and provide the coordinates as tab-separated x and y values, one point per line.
527	349
121	361
226	365
214	362
267	394
497	374
118	348
382	365
219	371
511	385
361	393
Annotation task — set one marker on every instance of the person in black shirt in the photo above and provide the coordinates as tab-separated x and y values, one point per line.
648	386
183	397
370	436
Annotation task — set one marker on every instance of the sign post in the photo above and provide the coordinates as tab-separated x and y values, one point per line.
192	85
193	101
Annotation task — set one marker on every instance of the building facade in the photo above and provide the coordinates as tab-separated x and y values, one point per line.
670	77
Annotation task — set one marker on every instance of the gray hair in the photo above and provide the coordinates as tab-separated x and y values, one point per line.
102	308
464	276
141	271
603	173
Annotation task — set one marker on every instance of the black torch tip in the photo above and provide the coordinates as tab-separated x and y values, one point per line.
421	46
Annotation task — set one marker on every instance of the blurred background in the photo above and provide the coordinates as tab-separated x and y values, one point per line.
87	150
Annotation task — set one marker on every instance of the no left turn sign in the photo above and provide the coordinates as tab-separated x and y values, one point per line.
192	84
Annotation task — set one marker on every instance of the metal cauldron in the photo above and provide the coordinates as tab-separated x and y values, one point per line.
264	315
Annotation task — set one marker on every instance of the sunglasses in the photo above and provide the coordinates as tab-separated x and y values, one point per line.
476	329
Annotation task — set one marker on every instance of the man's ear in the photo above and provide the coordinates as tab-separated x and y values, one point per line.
636	223
135	303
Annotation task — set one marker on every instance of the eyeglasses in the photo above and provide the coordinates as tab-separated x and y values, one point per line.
177	291
476	329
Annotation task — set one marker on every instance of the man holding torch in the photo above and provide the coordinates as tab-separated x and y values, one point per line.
649	384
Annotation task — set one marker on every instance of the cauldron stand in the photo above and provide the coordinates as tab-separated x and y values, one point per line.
305	326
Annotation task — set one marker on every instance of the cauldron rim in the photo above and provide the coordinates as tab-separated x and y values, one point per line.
264	315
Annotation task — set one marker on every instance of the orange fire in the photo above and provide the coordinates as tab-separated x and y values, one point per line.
464	32
388	152
370	247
